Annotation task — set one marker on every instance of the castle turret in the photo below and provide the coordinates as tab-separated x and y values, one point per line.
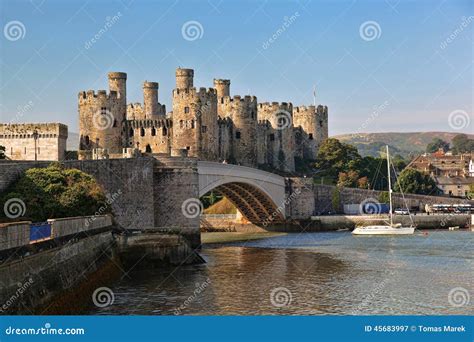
184	78
222	87
150	100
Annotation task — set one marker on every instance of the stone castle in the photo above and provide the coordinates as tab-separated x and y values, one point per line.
205	123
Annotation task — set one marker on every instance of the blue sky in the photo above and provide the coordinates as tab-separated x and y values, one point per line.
407	77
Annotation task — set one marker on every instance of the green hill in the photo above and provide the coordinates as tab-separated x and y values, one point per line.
405	144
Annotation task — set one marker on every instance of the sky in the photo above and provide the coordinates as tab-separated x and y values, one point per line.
379	66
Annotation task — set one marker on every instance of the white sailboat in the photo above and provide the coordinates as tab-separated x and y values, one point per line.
390	229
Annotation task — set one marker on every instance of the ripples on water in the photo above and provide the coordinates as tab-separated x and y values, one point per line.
325	273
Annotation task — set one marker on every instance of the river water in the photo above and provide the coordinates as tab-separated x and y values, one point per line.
311	274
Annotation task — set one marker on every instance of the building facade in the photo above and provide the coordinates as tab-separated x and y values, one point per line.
209	124
41	141
453	174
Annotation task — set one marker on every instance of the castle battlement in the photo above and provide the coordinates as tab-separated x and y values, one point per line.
92	96
148	123
237	98
186	92
299	109
275	106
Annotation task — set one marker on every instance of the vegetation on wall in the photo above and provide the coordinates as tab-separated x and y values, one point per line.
55	192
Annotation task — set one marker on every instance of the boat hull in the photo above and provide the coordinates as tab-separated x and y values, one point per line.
383	230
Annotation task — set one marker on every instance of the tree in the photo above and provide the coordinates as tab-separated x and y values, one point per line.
363	183
348	179
462	144
2	152
335	157
436	144
55	192
399	162
384	197
336	199
415	182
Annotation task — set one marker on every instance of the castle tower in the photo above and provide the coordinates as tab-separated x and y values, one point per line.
243	114
100	118
150	100
305	119
184	78
222	87
118	83
322	130
279	142
195	124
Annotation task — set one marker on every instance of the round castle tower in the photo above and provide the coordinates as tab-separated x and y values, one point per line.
278	147
222	87
150	100
195	125
101	116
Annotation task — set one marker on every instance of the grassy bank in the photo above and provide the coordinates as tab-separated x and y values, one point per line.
208	238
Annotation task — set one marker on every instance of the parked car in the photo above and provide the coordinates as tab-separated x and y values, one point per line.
402	211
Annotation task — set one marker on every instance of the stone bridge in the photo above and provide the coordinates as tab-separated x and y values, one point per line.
257	194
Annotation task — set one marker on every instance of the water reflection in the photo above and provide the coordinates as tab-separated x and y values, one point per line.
325	273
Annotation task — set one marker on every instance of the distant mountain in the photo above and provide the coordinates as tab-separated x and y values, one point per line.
72	141
405	144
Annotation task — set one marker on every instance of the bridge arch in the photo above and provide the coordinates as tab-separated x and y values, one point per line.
257	194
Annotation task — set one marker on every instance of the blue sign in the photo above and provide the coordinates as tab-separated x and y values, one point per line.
40	231
240	328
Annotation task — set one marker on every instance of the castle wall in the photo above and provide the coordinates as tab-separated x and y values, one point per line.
150	136
19	141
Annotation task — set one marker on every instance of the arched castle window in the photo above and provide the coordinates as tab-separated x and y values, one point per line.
148	148
115	123
237	135
103	110
142	132
153	131
310	136
87	140
252	114
192	123
181	124
186	110
320	123
130	133
164	131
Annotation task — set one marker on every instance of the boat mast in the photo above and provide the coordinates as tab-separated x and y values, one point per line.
389	186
